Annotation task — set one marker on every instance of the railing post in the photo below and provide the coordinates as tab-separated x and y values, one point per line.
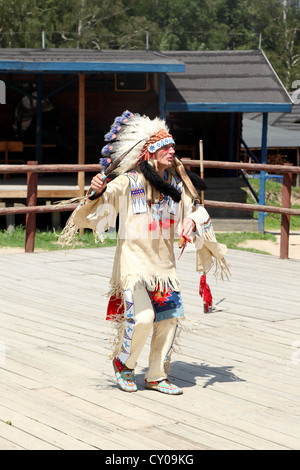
32	182
262	184
285	218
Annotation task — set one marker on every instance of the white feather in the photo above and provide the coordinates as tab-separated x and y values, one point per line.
137	128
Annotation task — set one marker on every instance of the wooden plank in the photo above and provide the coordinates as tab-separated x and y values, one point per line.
242	166
50	168
8	445
24	439
47	436
241	387
42	193
11	146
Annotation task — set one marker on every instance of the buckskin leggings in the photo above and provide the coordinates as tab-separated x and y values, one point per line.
139	320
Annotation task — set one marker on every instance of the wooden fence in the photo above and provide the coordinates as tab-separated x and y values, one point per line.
31	209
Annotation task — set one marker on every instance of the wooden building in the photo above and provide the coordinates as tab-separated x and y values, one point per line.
69	98
61	102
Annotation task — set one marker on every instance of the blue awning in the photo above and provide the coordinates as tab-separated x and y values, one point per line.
229	107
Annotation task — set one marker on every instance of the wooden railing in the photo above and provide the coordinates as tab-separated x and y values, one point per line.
31	209
285	210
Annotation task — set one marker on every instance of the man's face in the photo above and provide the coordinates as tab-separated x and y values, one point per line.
165	156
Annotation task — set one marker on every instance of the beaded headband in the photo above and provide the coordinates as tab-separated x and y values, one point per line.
156	142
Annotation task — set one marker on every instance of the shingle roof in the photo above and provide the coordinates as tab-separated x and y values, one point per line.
223	77
229	81
289	121
277	137
86	60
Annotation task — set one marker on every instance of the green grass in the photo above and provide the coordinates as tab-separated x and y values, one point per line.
233	239
273	198
47	240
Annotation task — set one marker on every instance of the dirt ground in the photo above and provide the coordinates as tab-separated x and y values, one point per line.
8	249
273	248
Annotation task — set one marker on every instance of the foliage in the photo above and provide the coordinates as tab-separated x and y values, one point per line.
161	24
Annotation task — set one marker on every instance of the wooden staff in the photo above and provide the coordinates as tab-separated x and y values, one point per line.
205	310
182	241
201	167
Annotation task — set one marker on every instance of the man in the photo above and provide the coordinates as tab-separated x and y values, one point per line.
154	197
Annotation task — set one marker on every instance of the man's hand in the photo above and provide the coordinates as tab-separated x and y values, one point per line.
188	226
97	182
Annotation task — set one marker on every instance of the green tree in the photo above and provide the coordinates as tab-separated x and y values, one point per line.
15	21
291	49
278	23
159	25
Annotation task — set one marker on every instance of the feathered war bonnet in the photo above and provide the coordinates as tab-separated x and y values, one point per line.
134	139
135	136
131	140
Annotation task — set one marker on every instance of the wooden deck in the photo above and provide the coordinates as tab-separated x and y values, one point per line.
239	367
55	187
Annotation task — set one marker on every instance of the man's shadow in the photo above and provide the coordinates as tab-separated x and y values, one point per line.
186	374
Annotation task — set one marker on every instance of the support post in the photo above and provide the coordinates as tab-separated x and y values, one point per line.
81	132
262	184
32	183
38	139
231	173
162	94
285	218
